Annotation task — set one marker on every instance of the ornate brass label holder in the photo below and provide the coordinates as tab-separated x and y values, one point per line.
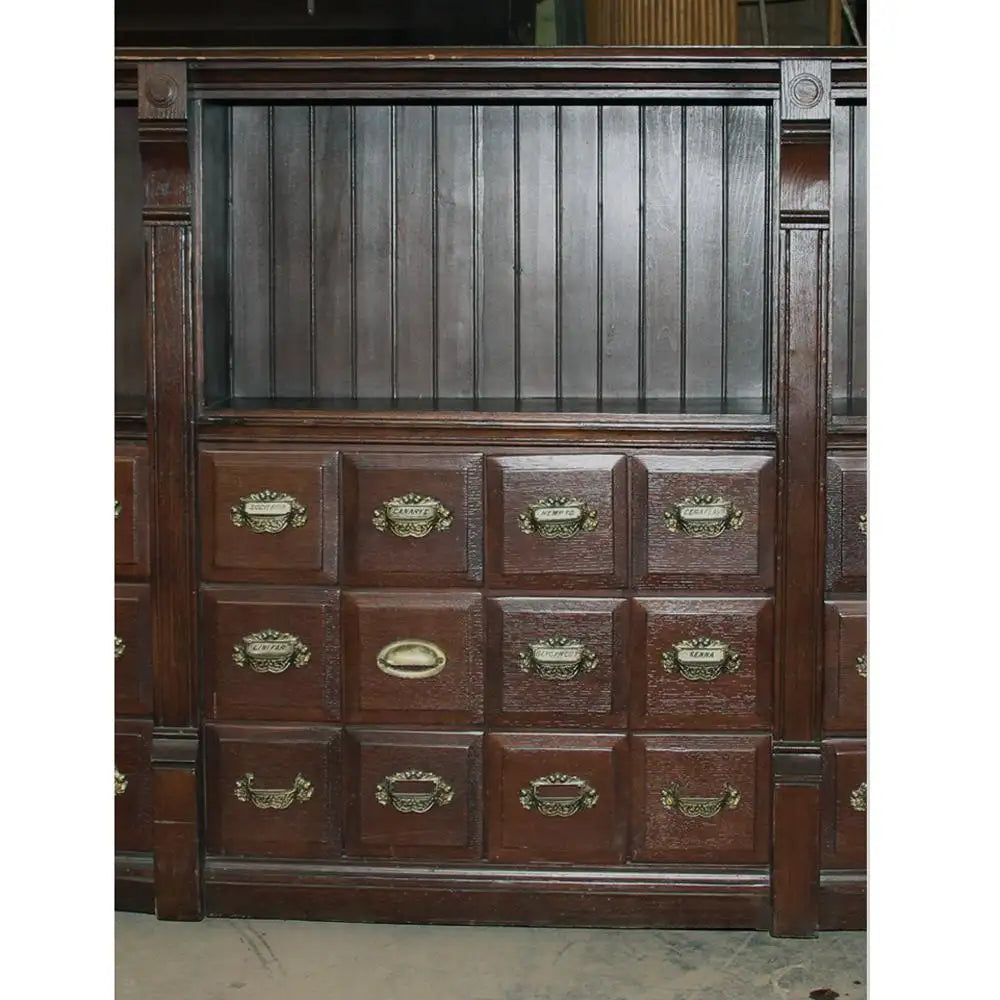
412	516
271	652
272	798
581	796
409	800
558	517
268	512
703	516
701	659
699	807
557	659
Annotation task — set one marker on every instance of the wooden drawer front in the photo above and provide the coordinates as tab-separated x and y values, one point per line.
845	804
701	799
271	654
557	662
413	657
845	690
248	535
846	524
133	668
557	797
414	794
530	542
413	520
133	785
131	512
702	663
273	791
704	520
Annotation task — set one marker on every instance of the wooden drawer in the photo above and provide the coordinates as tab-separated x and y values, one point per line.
701	799
131	512
133	668
556	521
845	679
557	661
702	663
413	657
269	516
133	785
845	804
414	794
703	520
273	791
413	520
557	797
271	654
846	524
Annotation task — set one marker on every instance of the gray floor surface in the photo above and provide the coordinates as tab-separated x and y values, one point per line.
221	959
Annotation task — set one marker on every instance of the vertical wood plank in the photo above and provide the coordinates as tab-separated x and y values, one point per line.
859	244
841	247
130	285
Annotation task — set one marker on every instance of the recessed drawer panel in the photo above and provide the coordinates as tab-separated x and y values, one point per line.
846	523
271	654
131	512
556	797
703	520
273	791
845	804
556	521
413	520
702	663
413	657
133	785
701	799
845	686
414	794
133	668
557	661
269	516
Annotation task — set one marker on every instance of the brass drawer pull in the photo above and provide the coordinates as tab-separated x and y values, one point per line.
118	509
121	783
578	795
271	652
557	659
863	524
412	659
859	798
412	516
698	807
119	647
558	517
413	800
268	512
700	659
703	516
273	798
861	665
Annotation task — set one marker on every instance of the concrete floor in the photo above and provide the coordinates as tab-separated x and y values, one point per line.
289	960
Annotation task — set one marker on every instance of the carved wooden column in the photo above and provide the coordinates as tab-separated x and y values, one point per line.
163	145
804	277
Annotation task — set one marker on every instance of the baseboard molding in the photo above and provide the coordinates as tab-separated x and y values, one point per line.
134	883
843	901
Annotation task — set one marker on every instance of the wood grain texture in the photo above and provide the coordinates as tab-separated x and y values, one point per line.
133	667
845	841
795	859
130	271
132	523
846	542
845	687
134	807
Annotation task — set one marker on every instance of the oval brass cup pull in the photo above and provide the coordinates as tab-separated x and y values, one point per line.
700	659
699	807
397	790
861	665
121	783
562	795
859	798
271	652
412	516
268	512
273	798
863	524
118	508
703	516
557	659
119	647
558	517
413	659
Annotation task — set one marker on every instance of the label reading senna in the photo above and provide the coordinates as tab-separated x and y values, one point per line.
702	655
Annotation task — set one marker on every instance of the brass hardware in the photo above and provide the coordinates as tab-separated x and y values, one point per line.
582	797
557	659
700	659
861	664
271	652
703	516
558	517
268	512
409	801
412	516
118	508
859	798
863	524
700	807
119	647
121	783
273	798
412	659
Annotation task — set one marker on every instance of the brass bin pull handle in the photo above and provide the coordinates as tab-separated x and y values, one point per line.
570	796
271	652
121	783
557	659
118	509
558	517
701	659
699	807
412	516
859	798
268	512
863	524
411	659
703	516
273	798
431	790
861	665
119	647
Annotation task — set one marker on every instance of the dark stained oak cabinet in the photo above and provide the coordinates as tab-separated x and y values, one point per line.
490	486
